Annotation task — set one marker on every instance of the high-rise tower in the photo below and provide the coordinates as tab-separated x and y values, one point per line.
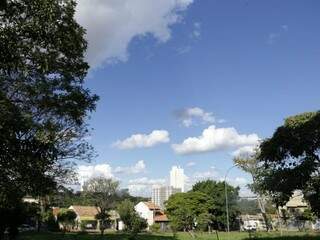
177	178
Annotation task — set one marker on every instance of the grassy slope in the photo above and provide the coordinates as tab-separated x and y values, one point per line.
180	236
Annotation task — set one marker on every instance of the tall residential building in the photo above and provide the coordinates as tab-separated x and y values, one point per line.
160	194
177	178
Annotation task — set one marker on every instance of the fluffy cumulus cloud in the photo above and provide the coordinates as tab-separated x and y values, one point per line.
142	186
87	172
139	167
214	139
143	140
111	25
193	116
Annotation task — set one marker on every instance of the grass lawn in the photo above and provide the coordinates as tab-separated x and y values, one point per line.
180	236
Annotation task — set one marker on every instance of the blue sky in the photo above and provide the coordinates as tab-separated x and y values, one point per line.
240	67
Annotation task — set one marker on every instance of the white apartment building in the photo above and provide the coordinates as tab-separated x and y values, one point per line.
177	178
160	194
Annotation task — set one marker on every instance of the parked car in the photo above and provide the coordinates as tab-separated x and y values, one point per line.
25	228
250	228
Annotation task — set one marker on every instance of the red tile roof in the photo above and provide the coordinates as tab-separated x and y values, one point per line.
161	217
87	211
152	206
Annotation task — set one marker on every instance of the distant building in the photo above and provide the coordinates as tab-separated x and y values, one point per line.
153	214
296	203
160	194
177	178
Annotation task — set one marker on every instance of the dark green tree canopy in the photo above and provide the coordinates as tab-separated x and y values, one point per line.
43	101
186	209
290	160
216	191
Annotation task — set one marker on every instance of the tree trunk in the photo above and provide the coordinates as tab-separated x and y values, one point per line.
217	234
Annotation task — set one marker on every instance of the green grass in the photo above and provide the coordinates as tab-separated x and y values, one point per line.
169	236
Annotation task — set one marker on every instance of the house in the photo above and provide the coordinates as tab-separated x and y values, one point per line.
296	203
153	214
86	217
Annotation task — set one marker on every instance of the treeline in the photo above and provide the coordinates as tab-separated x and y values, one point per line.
65	197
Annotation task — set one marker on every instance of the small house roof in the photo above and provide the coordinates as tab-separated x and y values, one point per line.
90	212
161	218
84	211
296	200
152	206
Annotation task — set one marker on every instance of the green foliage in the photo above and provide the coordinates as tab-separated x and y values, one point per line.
51	222
67	218
11	218
184	209
246	206
306	215
289	160
64	197
43	101
132	221
126	212
216	192
155	227
138	224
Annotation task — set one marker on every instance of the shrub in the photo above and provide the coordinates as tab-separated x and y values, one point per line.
155	227
67	218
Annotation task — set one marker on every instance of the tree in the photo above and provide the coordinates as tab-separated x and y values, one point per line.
67	218
138	224
126	212
132	221
103	191
247	206
290	160
216	191
250	164
186	209
43	101
303	217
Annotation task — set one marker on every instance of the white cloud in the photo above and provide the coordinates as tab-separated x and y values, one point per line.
87	172
215	139
143	140
275	36
142	186
191	164
111	25
244	151
242	183
193	116
196	30
139	167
